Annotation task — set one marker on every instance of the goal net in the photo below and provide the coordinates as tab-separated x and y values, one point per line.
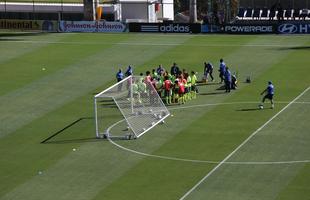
138	103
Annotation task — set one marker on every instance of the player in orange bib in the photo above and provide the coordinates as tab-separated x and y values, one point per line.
167	86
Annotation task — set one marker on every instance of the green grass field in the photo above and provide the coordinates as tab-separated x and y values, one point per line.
218	146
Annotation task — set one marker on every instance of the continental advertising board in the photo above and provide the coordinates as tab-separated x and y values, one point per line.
91	26
36	25
165	27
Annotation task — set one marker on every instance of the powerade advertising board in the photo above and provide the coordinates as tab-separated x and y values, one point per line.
165	27
248	29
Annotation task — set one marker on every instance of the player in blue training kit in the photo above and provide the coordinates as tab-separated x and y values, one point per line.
119	77
269	92
222	70
129	71
227	79
208	71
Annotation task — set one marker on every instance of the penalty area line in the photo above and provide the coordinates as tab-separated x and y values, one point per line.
209	161
241	145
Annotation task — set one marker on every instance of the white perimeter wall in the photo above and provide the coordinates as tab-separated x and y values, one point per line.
138	11
168	9
51	7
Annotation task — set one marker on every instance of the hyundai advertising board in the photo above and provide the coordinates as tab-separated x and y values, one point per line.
294	28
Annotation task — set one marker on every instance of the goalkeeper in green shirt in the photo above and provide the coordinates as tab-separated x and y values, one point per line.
136	92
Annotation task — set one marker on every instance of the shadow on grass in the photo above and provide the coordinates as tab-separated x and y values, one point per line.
48	140
208	83
18	34
13	36
249	109
108	105
10	39
80	140
211	93
106	100
296	48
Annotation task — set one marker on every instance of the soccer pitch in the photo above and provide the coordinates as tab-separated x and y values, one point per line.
218	146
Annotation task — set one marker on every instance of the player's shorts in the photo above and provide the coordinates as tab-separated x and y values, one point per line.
186	90
181	92
193	88
269	96
168	93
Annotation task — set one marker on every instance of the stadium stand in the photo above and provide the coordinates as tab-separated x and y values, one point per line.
241	13
296	14
256	13
272	14
264	14
273	10
304	13
249	13
288	14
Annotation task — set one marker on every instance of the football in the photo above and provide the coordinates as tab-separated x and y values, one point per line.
261	106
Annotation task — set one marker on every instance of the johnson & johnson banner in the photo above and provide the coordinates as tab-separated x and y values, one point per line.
91	26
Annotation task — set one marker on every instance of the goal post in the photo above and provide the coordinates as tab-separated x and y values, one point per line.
138	103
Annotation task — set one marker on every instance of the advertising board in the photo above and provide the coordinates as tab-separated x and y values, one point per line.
293	28
248	29
37	25
165	27
210	28
91	26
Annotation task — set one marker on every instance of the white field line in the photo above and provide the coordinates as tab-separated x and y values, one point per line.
209	161
141	43
241	145
230	103
161	157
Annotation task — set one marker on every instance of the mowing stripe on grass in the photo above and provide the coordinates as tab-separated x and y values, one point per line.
285	138
163	138
242	144
209	161
54	90
75	179
152	44
11	50
145	144
97	165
